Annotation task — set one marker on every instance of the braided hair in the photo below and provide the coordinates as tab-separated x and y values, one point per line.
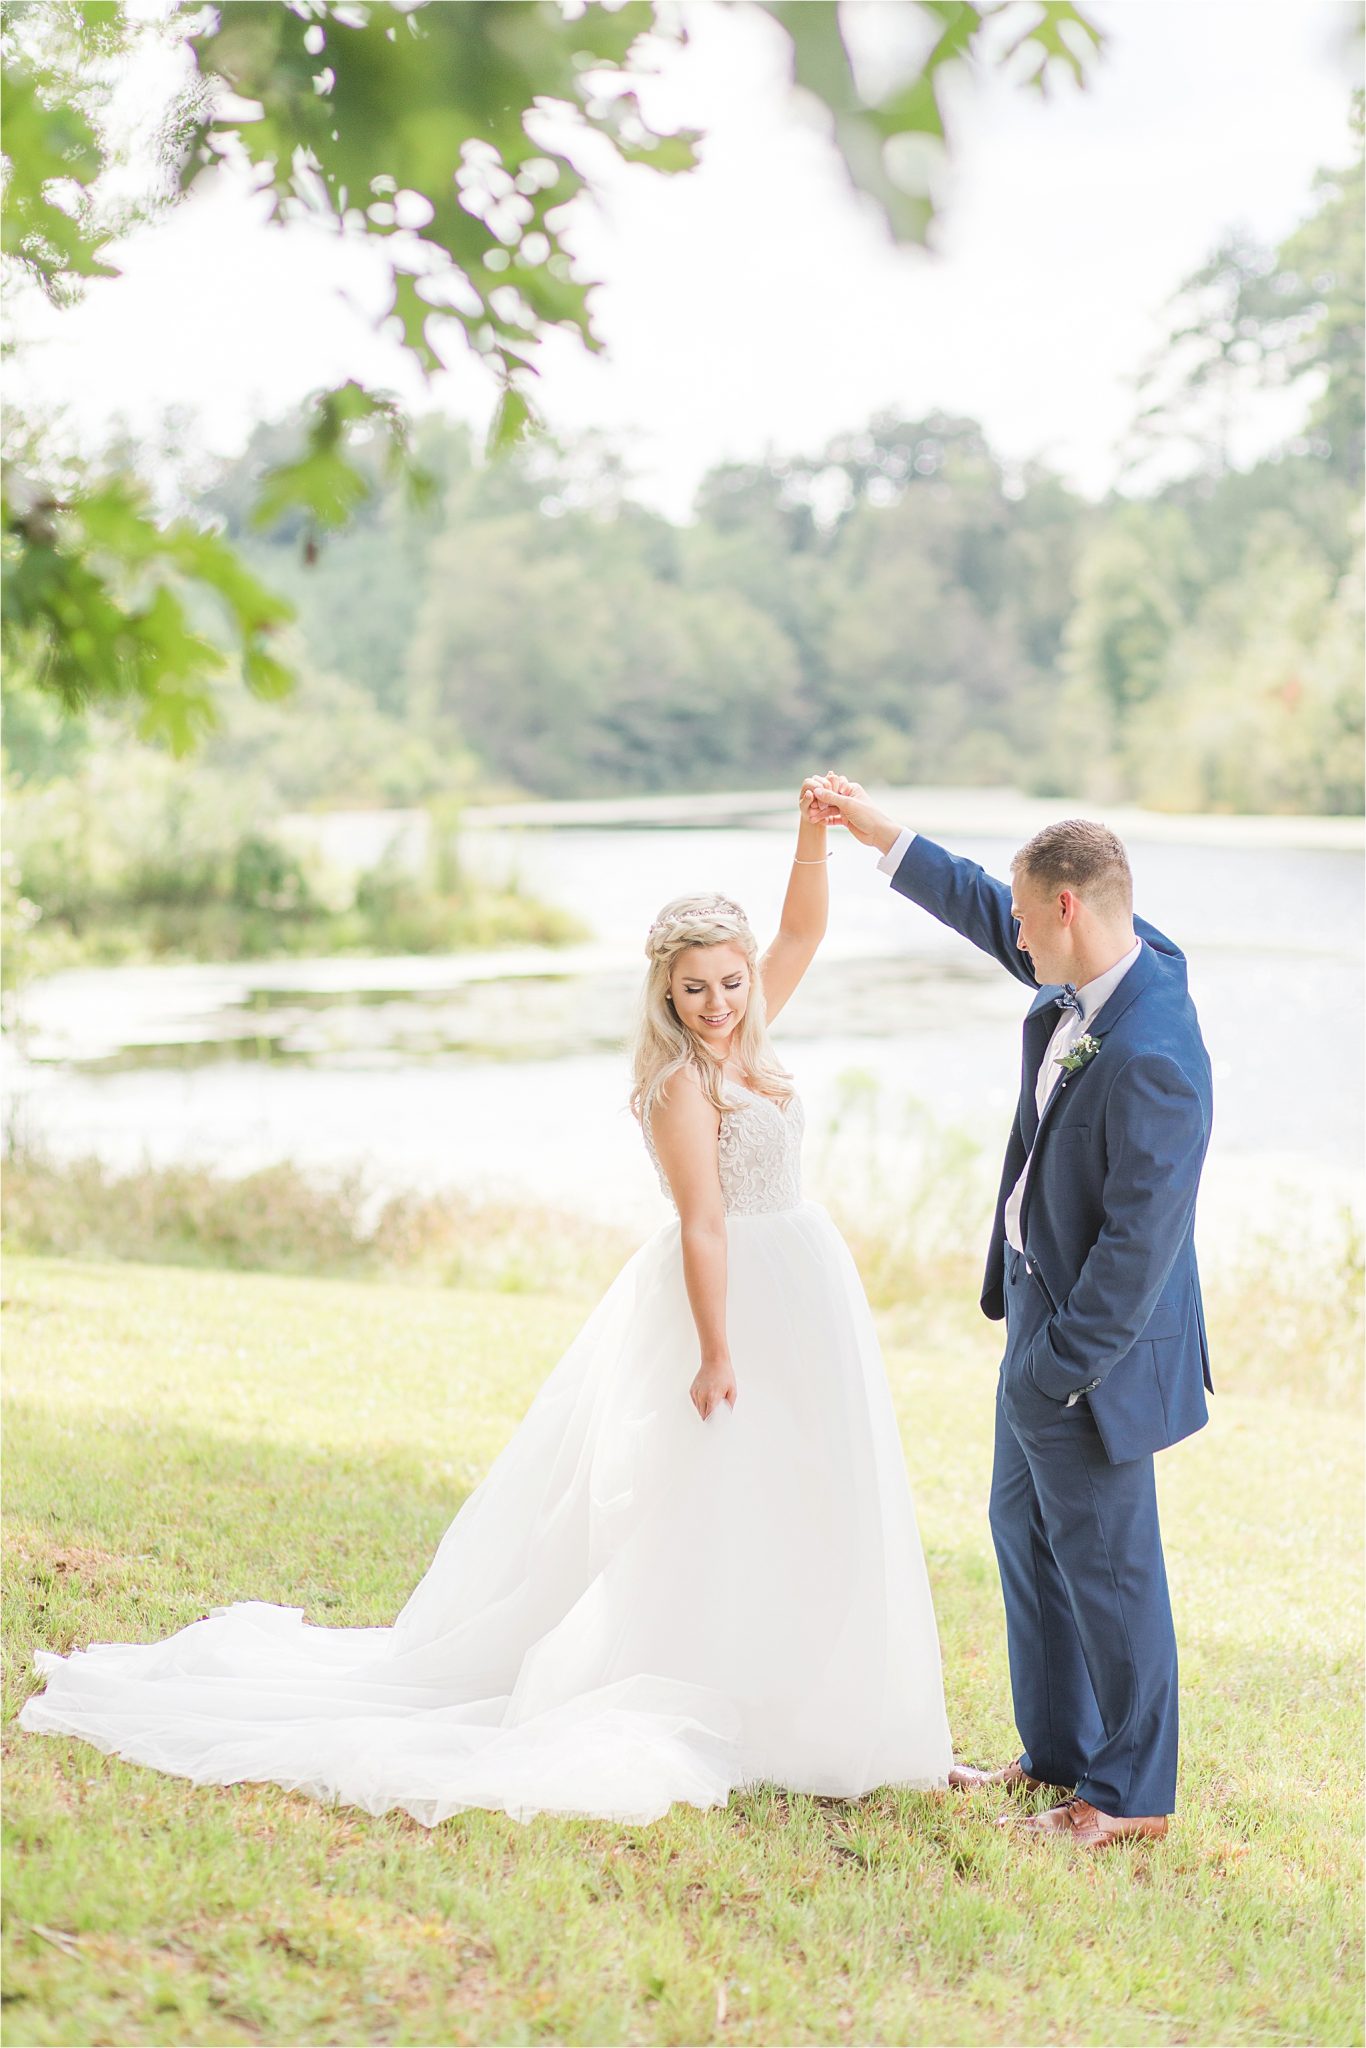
661	1043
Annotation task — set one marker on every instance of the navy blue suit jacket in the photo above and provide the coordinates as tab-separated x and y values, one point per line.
1112	1297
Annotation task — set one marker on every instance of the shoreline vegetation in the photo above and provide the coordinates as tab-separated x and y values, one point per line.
141	867
162	869
1283	1316
980	811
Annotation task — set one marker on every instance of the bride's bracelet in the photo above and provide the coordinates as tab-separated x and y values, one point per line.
798	862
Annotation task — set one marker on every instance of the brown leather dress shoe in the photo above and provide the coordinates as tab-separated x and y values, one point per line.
1086	1827
1009	1778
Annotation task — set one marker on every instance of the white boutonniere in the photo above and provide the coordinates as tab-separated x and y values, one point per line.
1085	1049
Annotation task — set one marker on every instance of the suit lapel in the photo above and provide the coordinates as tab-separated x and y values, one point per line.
1038	1031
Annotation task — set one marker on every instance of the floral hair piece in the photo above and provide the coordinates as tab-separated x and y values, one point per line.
715	906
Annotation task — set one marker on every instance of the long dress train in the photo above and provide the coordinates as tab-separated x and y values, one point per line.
634	1607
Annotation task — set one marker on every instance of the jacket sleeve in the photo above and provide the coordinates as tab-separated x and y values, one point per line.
965	897
1155	1140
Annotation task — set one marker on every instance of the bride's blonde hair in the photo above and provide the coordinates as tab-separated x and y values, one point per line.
661	1042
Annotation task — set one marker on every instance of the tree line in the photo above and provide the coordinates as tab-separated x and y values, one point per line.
904	601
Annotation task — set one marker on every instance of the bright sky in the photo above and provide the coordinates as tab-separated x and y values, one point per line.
757	303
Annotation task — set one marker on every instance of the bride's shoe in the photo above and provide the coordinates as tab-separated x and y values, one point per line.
1009	1778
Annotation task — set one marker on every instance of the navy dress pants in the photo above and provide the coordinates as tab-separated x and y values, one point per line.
1088	1616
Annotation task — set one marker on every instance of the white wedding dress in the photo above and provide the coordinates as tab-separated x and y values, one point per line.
634	1606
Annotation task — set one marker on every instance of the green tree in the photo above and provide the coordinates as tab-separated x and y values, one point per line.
1259	708
355	604
1206	652
572	666
444	135
1251	318
1317	331
945	592
1138	581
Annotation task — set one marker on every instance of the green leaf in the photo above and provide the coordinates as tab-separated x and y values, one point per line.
884	142
324	485
266	677
513	421
49	145
405	95
413	311
1054	46
95	606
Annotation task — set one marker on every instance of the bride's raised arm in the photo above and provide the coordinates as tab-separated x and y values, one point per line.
805	914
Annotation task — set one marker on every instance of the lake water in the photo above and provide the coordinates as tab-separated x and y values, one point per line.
502	1073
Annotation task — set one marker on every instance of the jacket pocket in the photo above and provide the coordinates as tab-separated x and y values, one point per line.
1168	1319
1045	1291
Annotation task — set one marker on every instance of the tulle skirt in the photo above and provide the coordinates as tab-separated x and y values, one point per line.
634	1607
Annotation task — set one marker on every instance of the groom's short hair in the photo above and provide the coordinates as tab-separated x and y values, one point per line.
1082	855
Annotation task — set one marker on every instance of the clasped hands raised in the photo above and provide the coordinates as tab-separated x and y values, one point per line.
831	799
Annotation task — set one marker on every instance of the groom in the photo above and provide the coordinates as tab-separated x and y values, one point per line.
1092	1266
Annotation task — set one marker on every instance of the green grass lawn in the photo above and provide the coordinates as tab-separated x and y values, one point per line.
177	1439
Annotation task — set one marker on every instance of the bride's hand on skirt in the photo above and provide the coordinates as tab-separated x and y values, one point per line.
713	1388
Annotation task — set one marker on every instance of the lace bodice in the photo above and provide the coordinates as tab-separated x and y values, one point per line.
760	1152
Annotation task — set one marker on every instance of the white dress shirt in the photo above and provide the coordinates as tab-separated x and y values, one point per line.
1069	1028
893	857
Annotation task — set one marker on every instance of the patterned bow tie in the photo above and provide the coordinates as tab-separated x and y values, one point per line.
1070	1000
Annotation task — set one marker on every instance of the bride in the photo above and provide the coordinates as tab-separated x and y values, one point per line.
695	1565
